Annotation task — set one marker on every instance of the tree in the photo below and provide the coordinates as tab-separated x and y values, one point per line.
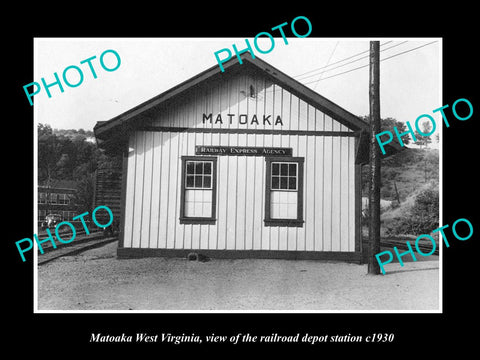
424	140
388	124
422	217
49	153
66	155
84	194
44	129
63	165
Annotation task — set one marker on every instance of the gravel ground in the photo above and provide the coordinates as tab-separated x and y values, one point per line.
97	280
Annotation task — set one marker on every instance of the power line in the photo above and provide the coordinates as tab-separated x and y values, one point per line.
363	66
350	62
339	61
328	62
406	51
360	67
345	72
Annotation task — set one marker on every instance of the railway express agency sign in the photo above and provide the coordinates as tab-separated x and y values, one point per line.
242	150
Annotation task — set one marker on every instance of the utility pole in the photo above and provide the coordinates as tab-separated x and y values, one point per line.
375	160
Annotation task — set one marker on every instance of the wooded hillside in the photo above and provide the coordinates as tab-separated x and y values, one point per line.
70	155
414	205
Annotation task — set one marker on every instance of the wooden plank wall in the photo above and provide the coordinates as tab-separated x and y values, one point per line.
233	97
108	189
154	173
153	194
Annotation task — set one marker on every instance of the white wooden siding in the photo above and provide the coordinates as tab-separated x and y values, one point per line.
153	194
232	97
153	183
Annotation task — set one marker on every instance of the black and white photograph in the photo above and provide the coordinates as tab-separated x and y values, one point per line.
237	185
216	179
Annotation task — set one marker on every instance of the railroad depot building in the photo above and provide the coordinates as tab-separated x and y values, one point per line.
242	163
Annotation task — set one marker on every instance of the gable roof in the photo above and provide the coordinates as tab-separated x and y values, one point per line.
114	132
105	129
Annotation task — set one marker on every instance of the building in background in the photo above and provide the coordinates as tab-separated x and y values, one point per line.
57	200
107	192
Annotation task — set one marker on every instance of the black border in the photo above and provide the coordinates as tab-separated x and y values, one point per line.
416	334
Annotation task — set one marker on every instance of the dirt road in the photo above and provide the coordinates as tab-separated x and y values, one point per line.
97	280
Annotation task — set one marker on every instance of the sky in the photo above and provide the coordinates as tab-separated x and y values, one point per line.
410	83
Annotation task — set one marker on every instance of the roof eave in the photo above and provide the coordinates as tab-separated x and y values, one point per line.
106	129
363	149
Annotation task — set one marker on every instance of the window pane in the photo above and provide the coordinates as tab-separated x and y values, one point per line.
190	167
207	181
275	182
292	169
207	196
197	209
285	196
275	169
207	167
207	210
198	203
198	190
283	205
275	211
190	181
292	183
189	209
291	211
198	168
